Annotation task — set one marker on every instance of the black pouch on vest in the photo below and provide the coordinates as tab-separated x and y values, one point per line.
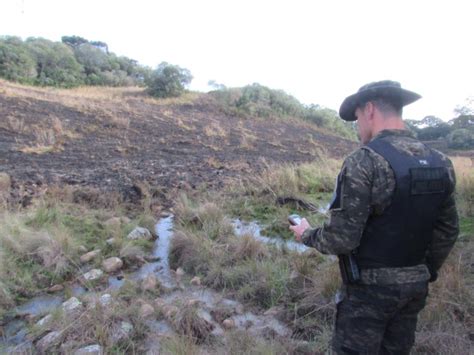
427	180
349	270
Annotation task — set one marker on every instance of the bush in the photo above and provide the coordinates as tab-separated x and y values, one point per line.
55	63
16	63
168	80
260	101
461	139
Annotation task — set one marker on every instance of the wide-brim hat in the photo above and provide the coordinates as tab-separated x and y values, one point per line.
385	89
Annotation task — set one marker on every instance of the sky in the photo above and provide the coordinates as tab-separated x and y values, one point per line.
318	51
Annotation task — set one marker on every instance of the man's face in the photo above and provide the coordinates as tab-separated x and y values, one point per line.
363	123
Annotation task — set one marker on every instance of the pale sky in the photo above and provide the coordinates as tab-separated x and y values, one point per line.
318	51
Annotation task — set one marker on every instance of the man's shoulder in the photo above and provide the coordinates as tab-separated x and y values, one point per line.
366	158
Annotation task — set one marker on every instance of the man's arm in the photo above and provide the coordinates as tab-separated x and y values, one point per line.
445	233
342	233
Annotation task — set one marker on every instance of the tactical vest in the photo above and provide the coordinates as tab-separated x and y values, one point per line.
400	236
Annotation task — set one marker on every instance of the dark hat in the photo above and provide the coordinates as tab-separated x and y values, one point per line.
385	89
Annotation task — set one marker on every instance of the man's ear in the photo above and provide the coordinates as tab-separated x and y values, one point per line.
370	107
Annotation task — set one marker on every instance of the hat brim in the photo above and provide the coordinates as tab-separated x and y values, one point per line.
398	96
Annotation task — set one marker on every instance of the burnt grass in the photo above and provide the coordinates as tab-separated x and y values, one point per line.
134	144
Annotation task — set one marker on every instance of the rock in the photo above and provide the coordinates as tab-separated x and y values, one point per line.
150	283
110	241
82	249
106	299
55	288
71	305
48	341
113	223
93	275
179	274
140	233
44	321
95	349
146	310
121	331
5	183
22	349
294	275
228	323
196	281
112	264
89	256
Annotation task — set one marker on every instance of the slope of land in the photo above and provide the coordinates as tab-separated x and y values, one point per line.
120	140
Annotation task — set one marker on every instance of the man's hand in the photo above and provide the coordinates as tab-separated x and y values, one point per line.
299	229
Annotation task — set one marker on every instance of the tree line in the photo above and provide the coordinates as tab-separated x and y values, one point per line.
457	132
76	61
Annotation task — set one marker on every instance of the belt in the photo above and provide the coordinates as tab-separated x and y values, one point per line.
395	275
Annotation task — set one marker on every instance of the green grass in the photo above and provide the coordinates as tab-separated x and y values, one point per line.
41	247
466	226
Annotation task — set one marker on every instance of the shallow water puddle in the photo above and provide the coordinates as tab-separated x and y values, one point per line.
254	229
15	331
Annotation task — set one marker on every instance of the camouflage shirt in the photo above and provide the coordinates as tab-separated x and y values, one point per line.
368	186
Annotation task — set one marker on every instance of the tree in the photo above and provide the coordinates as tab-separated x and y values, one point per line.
461	139
16	62
168	80
92	58
432	127
73	41
463	121
55	63
466	109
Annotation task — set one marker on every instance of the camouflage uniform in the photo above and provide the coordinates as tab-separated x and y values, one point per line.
379	313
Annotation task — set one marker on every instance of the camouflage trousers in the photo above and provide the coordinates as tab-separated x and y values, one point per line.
378	319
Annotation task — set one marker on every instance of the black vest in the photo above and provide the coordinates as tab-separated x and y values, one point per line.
400	236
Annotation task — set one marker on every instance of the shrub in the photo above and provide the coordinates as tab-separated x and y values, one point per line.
168	80
461	139
16	63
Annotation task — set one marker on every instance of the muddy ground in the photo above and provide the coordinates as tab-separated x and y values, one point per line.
125	142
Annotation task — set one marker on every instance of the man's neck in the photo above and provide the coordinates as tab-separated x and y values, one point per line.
387	123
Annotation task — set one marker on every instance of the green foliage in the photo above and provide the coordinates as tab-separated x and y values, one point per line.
327	118
260	101
463	121
73	41
168	80
74	61
461	139
429	128
55	63
16	62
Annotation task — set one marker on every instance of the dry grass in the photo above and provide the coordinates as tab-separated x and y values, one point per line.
215	129
447	322
296	180
107	103
185	99
97	324
189	323
464	168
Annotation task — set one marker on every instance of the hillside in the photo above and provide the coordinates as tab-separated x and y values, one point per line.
119	140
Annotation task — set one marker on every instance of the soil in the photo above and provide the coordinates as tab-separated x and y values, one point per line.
135	144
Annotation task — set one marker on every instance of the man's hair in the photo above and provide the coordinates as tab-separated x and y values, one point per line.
386	107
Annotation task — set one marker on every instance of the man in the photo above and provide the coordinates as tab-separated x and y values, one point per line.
393	216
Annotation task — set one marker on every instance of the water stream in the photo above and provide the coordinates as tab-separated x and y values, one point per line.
15	330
